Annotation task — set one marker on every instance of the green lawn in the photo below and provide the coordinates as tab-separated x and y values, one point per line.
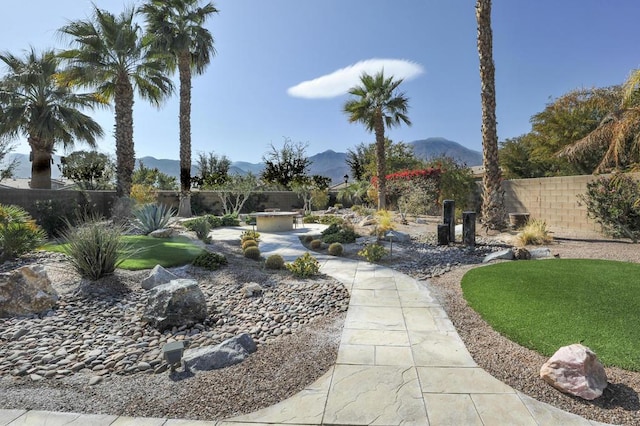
546	304
148	252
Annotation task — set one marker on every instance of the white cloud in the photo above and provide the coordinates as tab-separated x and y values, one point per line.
340	81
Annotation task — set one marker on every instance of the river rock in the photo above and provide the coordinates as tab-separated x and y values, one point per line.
230	352
575	370
178	303
26	291
157	276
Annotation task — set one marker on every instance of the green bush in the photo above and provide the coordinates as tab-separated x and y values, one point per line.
308	238
614	202
19	233
209	260
249	243
230	220
214	221
252	253
275	261
310	218
339	234
202	228
95	248
330	219
150	217
373	252
338	206
315	244
304	266
249	235
53	215
336	249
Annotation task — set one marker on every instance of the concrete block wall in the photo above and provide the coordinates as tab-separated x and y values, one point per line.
258	201
554	200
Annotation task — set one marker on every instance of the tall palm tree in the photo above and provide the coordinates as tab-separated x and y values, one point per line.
618	134
492	197
176	27
35	103
110	54
378	105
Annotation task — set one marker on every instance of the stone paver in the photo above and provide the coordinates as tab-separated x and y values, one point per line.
400	362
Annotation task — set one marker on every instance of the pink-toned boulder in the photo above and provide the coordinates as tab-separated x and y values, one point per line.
25	291
575	370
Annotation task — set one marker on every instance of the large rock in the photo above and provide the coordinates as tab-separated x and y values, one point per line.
575	369
26	291
397	237
231	351
180	302
506	254
161	233
157	276
367	221
540	252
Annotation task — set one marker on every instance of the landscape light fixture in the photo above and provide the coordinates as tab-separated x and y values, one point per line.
346	180
172	353
390	235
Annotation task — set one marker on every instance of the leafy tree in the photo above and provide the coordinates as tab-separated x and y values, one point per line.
153	178
356	160
9	168
177	27
110	54
616	139
313	191
399	156
213	170
492	196
35	103
235	192
456	181
90	170
378	105
285	166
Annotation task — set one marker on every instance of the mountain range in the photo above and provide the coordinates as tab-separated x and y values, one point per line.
328	163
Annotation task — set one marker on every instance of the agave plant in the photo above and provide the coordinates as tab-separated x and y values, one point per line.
150	217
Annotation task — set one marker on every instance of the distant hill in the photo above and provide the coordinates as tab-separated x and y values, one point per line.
437	147
328	163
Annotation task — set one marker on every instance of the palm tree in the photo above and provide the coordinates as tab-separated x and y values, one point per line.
377	105
110	54
618	134
177	28
36	104
492	197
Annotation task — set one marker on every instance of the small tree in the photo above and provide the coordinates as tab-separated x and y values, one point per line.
285	166
90	170
456	181
415	191
8	168
235	192
153	178
213	170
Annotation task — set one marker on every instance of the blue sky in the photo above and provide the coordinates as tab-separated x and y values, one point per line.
266	81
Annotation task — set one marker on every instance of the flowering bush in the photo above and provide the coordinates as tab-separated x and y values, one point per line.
614	202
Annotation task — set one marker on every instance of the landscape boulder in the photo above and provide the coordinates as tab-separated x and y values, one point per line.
367	221
575	370
26	291
397	237
161	233
521	253
231	351
506	254
179	302
251	289
157	276
540	253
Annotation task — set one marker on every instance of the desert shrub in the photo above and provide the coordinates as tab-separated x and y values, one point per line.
252	253
230	220
122	209
214	221
361	210
614	202
384	222
150	217
315	244
339	234
143	194
201	227
53	215
209	260
95	248
275	261
308	238
304	266
311	218
249	243
19	233
335	249
535	233
330	219
319	199
249	235
373	252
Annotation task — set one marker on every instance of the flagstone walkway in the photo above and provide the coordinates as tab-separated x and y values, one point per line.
400	362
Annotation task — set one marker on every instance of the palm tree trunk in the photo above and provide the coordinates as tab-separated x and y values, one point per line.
40	166
493	197
125	152
381	162
184	69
